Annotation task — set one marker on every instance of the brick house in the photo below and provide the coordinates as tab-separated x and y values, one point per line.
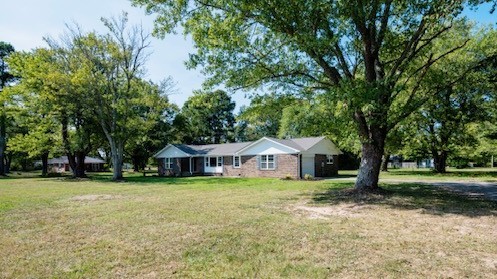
61	164
266	157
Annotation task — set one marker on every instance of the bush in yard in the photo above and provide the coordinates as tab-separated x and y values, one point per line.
308	177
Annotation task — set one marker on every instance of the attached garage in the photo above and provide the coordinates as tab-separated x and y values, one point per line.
308	165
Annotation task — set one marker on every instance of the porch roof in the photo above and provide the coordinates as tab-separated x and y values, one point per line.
212	149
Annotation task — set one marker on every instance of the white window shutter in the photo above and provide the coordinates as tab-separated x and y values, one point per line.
258	161
275	161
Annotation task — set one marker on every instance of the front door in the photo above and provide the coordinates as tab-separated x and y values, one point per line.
213	164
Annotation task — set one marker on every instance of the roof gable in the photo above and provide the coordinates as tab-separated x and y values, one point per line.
265	145
306	143
171	151
64	160
216	149
268	146
323	146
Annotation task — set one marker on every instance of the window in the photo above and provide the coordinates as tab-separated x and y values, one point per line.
267	162
168	163
212	162
236	161
329	159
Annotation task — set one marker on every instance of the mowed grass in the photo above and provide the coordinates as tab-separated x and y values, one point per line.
453	174
206	227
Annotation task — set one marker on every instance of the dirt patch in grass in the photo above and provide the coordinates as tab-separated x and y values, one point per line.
490	263
93	197
325	212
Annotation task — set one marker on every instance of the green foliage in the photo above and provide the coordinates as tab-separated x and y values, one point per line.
50	98
370	56
208	117
445	125
91	85
6	77
263	116
155	125
317	117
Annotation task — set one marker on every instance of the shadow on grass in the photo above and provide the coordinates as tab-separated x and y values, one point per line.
453	173
172	180
411	196
138	178
24	175
344	176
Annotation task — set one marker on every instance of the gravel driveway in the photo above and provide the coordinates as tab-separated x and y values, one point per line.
487	190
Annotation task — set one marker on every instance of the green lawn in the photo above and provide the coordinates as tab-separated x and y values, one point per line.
207	227
470	174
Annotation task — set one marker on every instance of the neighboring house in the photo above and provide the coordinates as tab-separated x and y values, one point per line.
61	164
397	162
266	157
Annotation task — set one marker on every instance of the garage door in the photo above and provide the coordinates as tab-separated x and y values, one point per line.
308	166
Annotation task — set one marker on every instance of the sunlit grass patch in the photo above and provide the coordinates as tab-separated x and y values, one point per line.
236	228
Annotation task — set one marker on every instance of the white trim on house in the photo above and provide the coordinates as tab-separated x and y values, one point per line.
269	164
266	146
168	163
218	164
176	151
239	161
308	165
306	151
323	147
329	159
241	151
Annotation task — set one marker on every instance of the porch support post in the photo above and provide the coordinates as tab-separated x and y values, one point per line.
191	172
299	162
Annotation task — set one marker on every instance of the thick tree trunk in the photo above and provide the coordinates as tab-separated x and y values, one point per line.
384	163
44	164
67	145
24	165
369	170
440	161
72	163
136	163
117	150
80	165
8	161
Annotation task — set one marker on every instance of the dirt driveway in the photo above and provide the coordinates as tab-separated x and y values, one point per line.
487	190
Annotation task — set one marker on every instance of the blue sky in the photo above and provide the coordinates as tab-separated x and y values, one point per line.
24	23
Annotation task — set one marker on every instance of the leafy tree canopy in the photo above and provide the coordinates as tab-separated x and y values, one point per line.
369	55
210	117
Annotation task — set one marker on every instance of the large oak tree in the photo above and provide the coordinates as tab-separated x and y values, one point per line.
368	54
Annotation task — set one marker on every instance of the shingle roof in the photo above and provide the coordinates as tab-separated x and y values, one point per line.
307	143
212	149
224	149
301	144
64	160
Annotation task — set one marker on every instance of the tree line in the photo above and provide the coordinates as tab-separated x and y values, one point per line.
379	78
374	63
85	94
